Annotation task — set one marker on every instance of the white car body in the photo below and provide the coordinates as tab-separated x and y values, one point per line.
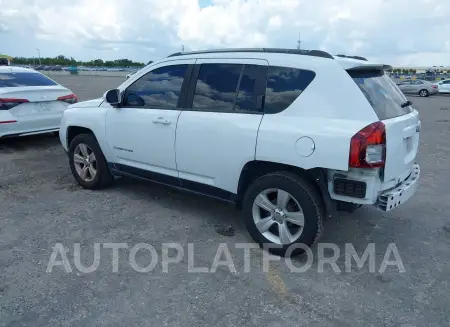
27	110
444	86
210	152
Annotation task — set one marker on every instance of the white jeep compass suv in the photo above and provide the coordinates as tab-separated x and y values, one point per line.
285	134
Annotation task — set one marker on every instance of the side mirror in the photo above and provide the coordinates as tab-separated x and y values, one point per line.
113	97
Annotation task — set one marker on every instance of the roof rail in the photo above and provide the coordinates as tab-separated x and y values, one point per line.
314	53
351	57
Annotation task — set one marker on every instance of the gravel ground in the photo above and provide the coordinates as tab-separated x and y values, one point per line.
41	205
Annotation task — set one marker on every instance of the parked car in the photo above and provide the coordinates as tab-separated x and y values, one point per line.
30	102
418	87
444	86
260	128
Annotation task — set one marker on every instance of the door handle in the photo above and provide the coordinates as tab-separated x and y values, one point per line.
161	120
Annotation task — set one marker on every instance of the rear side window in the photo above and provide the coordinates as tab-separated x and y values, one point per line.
228	88
216	87
284	85
382	93
24	79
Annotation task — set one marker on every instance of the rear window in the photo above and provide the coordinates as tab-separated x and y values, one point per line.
382	93
24	79
284	85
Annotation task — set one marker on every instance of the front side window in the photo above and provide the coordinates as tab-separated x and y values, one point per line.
18	79
158	89
284	85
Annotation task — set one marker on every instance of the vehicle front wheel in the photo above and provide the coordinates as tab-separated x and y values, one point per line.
424	93
282	211
88	163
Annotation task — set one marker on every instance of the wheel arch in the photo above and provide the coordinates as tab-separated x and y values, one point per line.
73	131
252	170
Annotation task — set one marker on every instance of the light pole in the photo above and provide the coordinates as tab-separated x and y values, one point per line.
39	54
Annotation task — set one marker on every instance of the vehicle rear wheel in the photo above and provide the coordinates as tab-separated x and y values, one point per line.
423	93
88	163
282	211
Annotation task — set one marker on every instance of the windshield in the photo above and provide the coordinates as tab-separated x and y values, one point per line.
24	79
382	93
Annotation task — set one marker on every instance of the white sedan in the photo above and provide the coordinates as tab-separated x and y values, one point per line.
30	102
444	86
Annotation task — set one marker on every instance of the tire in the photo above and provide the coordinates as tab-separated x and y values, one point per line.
102	177
301	193
424	93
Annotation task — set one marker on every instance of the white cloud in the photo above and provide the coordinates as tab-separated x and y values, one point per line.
395	31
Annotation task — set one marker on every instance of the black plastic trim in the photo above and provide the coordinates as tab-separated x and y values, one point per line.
174	182
348	187
314	53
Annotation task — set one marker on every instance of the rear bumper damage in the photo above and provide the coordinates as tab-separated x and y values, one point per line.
364	187
398	195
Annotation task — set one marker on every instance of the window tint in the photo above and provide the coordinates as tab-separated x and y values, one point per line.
284	85
216	87
417	82
382	93
24	79
246	97
158	89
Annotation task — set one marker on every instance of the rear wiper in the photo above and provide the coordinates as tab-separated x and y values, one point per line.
406	104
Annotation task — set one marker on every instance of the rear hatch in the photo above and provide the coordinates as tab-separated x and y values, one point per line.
400	119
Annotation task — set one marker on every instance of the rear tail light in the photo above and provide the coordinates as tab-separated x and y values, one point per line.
8	103
368	147
8	121
71	98
434	86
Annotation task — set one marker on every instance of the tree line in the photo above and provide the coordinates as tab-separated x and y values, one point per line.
64	61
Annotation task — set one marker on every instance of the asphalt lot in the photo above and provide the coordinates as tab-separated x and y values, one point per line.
40	205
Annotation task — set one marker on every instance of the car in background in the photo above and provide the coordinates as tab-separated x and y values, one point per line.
30	102
444	86
418	87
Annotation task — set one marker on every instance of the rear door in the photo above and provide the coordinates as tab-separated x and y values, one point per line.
34	101
401	121
216	137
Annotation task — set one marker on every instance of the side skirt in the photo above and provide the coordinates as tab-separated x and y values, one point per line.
174	182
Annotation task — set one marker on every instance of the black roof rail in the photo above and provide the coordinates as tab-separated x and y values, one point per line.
314	53
352	57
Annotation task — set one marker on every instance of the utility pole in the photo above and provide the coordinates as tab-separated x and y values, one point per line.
39	54
299	42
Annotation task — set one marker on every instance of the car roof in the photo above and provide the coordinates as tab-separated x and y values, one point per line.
347	62
16	69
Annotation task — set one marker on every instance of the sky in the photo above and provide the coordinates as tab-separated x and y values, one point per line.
397	32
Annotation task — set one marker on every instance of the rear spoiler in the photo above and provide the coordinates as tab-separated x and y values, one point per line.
370	67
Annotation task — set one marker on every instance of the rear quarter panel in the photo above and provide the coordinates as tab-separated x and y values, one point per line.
330	111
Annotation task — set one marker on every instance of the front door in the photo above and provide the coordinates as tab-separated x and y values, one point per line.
141	132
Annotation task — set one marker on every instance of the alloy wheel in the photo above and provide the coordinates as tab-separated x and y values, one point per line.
85	162
278	216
